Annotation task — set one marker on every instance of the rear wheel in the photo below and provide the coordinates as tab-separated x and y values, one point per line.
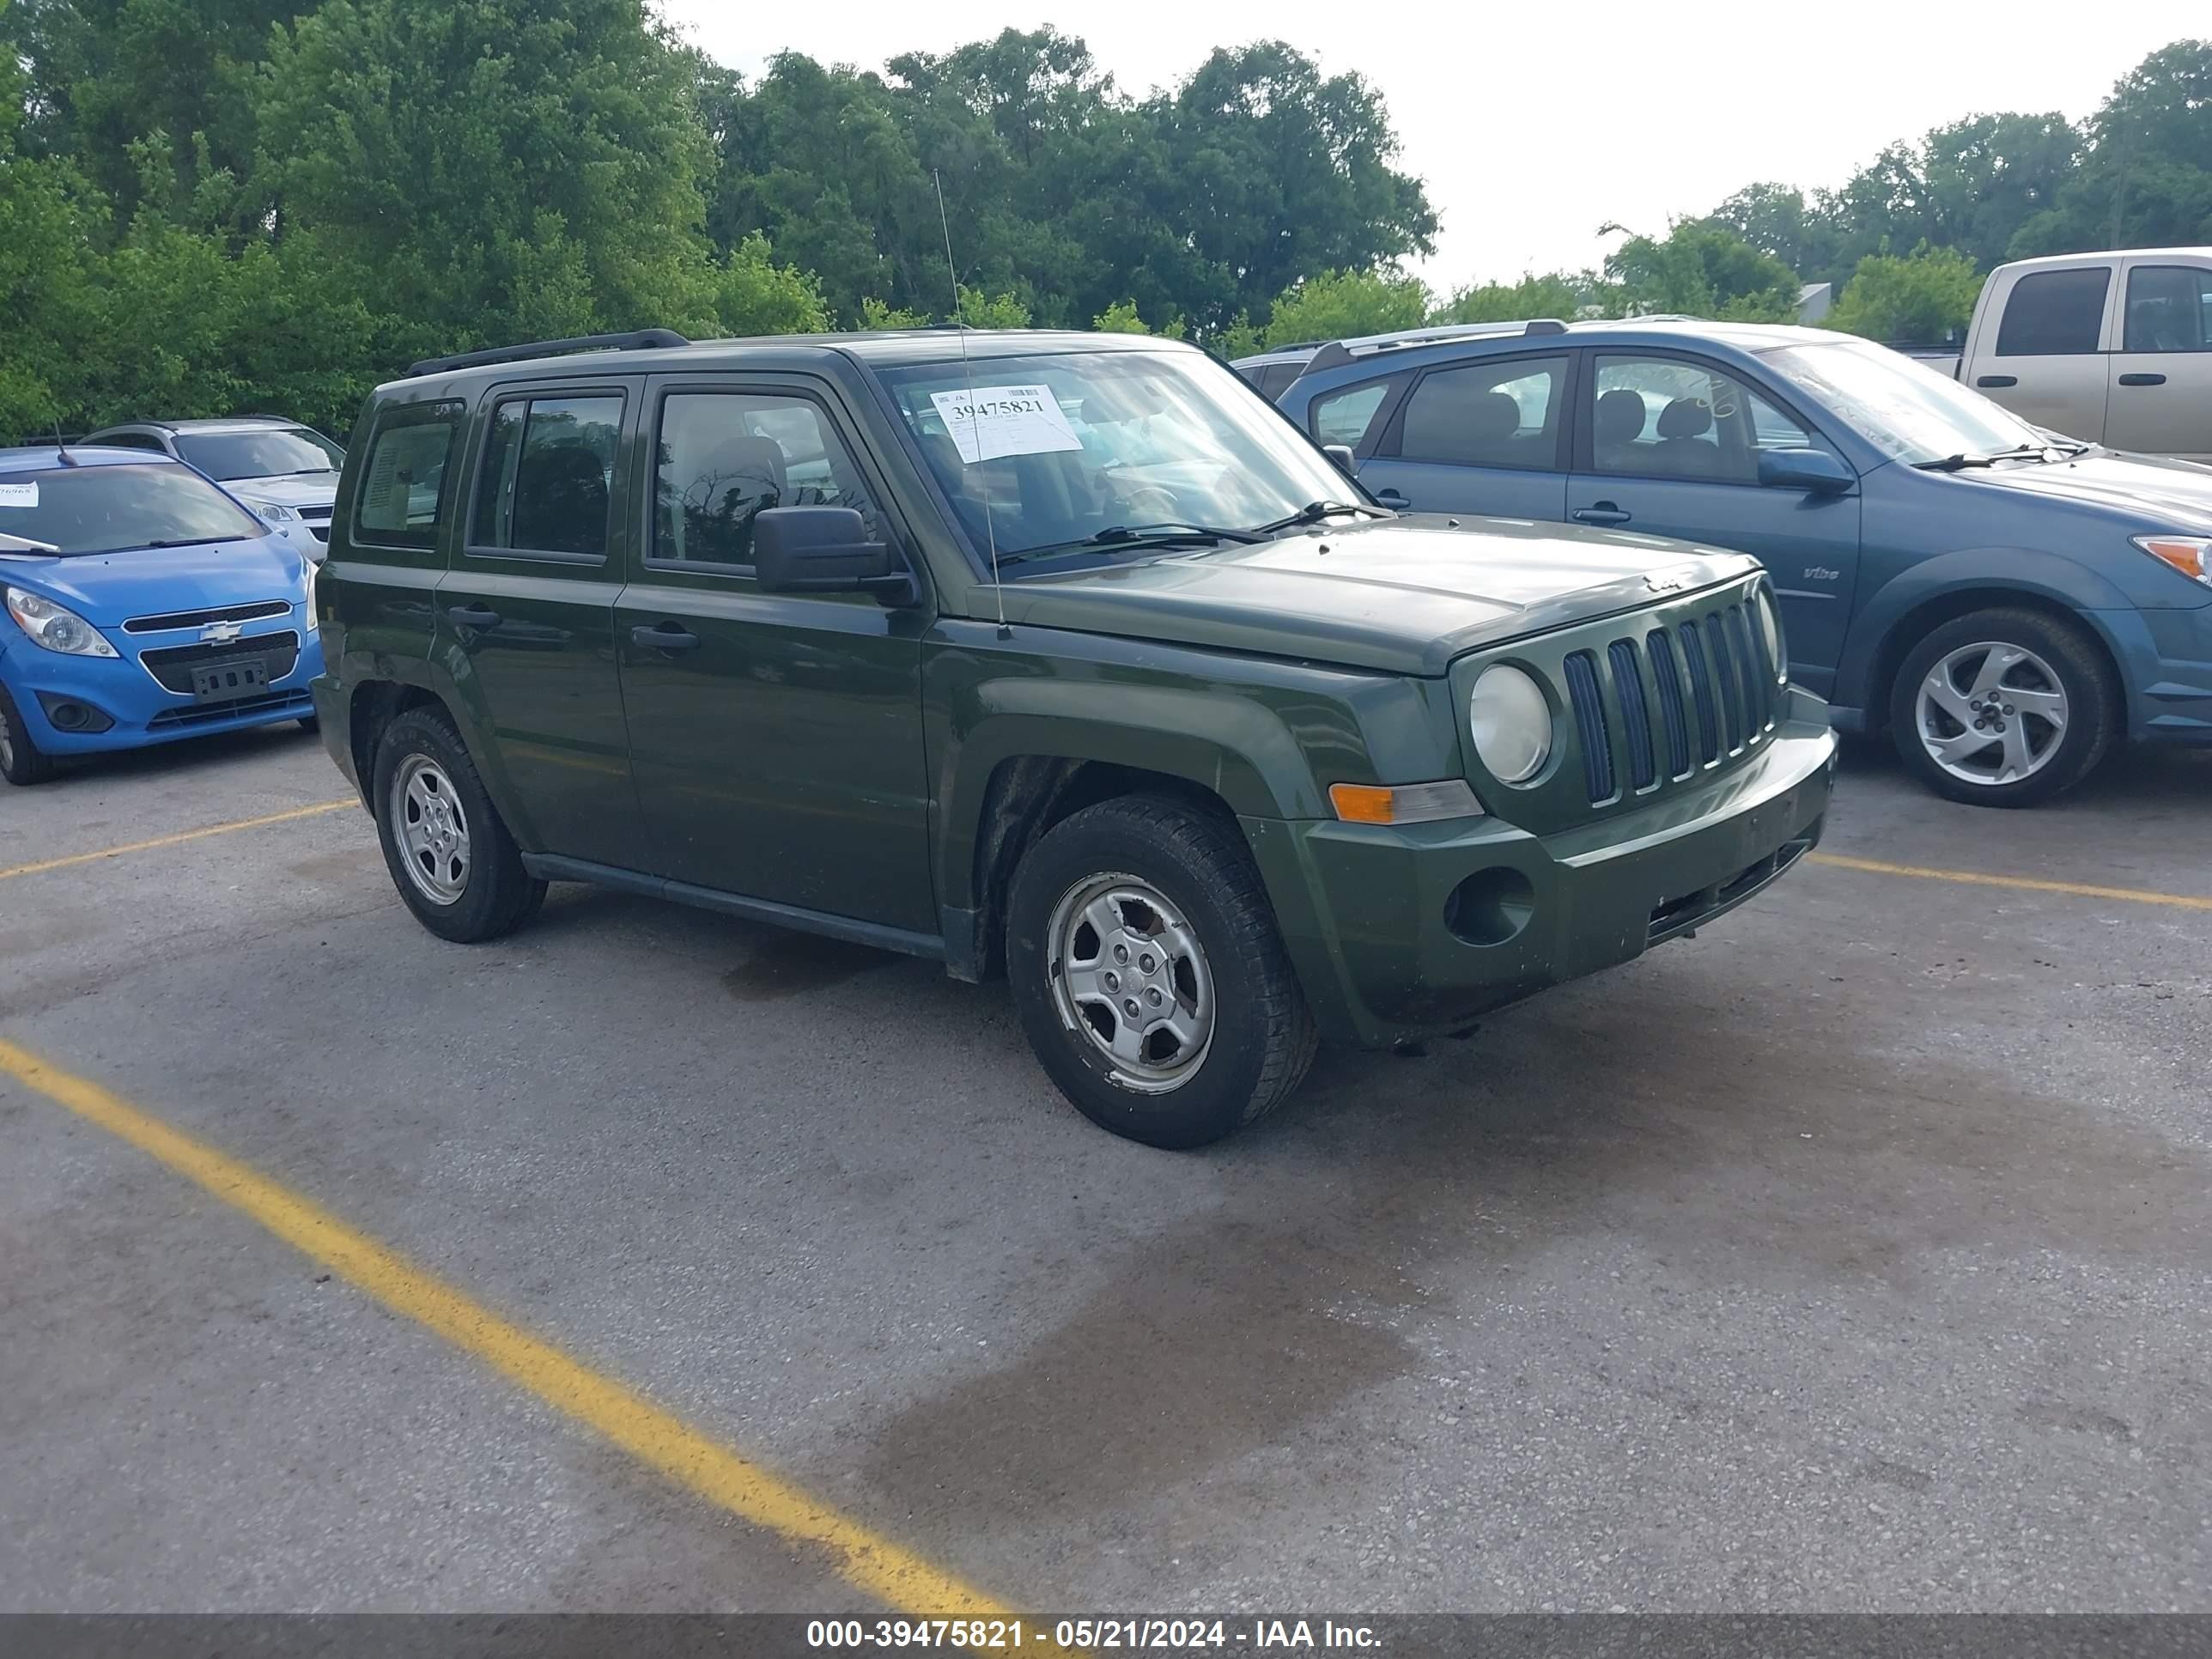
451	857
2003	707
1149	974
21	760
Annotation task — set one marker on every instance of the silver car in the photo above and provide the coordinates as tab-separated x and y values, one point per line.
285	471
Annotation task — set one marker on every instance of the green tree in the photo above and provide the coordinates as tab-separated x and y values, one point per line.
1778	220
495	169
105	76
1345	304
2147	179
754	295
1920	298
1122	318
978	310
1282	174
1700	269
876	314
1555	294
51	223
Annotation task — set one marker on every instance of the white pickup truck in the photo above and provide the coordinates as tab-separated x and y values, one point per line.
2113	348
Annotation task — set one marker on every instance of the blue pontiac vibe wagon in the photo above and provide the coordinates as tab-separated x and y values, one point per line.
142	605
2008	602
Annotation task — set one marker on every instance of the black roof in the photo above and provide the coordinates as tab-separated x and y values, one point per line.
660	349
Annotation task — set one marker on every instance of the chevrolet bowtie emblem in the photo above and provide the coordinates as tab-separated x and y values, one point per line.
220	633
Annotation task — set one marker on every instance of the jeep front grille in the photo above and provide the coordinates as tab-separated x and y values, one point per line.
1699	694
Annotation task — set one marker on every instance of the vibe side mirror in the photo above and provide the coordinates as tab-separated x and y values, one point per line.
1814	470
1347	462
824	549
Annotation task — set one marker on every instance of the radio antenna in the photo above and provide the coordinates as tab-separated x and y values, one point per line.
975	416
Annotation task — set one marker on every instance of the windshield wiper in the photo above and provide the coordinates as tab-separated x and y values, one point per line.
1315	512
2017	452
1122	538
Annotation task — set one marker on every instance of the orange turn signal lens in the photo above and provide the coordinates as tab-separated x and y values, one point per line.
1403	803
2190	554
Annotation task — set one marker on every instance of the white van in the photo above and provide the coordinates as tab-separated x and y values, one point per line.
2113	348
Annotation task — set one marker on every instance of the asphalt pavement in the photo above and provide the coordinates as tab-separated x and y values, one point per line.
1851	1255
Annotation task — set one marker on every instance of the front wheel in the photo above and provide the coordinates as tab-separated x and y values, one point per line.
1149	975
2003	707
21	760
451	857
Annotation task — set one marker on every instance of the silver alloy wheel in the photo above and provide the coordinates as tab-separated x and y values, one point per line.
1992	713
1129	977
431	829
7	743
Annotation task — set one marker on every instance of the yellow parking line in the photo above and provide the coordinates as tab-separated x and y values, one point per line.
863	1558
2029	884
178	839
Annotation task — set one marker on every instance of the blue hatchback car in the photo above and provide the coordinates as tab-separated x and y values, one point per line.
143	605
2006	603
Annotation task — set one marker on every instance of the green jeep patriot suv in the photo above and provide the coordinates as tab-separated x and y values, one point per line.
1059	655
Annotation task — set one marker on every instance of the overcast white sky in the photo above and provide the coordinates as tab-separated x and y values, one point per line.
1534	127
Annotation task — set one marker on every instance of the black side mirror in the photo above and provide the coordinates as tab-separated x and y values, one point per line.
1814	470
823	549
1347	462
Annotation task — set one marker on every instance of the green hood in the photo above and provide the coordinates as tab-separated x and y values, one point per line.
1402	595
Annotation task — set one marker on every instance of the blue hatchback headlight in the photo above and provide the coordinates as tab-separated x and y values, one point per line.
56	627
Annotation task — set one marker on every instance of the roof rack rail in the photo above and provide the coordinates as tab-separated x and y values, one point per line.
1338	353
642	339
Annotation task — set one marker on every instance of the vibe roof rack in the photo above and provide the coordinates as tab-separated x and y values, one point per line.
1339	352
642	339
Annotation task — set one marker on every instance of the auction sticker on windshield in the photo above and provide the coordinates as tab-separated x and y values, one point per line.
993	421
27	495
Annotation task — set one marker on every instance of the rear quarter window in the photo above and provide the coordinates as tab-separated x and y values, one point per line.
406	476
1348	416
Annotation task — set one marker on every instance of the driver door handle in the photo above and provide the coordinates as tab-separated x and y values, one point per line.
473	616
665	636
1599	513
1392	498
2143	379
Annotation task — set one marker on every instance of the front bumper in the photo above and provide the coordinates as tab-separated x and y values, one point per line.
2166	657
1402	933
136	708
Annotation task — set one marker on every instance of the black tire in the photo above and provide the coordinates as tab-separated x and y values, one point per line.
1262	1035
21	760
498	895
311	723
2093	706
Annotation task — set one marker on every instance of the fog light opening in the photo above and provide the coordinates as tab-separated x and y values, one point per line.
1491	907
69	715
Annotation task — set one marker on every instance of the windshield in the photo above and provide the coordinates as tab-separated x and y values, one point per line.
263	452
1909	410
109	510
1054	449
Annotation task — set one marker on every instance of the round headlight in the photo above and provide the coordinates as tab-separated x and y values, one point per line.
1510	720
1770	629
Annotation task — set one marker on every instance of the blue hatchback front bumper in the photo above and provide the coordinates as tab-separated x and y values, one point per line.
84	705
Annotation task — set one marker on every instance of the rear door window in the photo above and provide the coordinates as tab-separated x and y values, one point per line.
2169	308
1501	413
547	484
2054	313
404	486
